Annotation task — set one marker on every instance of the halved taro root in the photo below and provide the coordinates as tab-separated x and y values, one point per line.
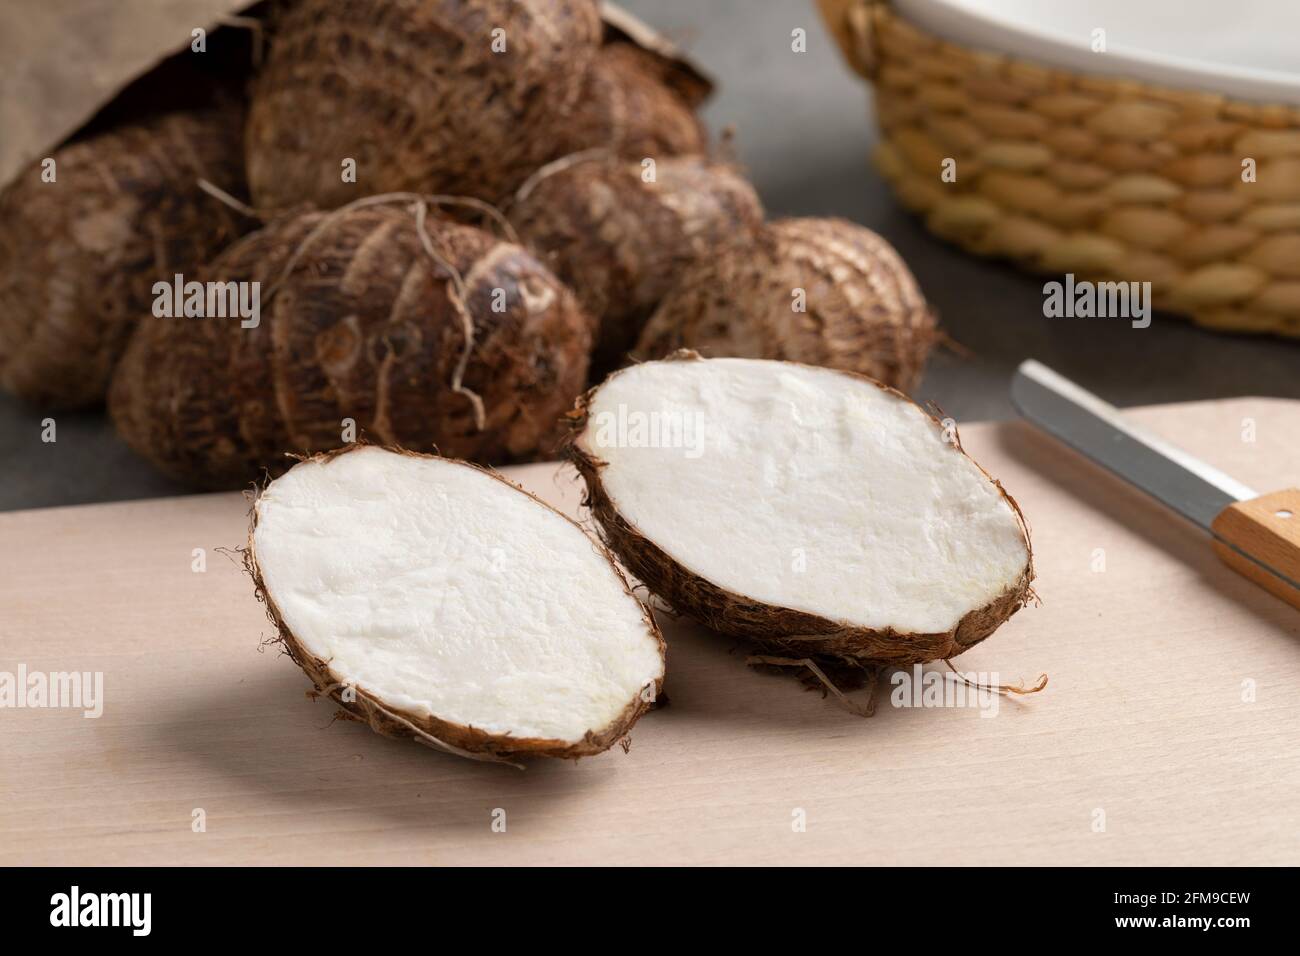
816	512
435	600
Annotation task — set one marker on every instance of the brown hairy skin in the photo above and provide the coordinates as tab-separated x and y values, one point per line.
412	90
79	256
675	69
629	107
462	740
788	631
622	243
864	310
365	327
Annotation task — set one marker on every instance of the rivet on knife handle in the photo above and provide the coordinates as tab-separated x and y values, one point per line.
1260	538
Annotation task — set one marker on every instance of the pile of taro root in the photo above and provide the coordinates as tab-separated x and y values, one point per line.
423	223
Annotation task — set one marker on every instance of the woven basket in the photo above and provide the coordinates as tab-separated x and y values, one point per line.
1107	178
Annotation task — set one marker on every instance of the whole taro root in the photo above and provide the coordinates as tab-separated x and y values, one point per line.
631	107
474	348
621	241
818	291
456	97
79	256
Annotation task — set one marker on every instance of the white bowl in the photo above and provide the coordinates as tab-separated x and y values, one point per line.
1246	49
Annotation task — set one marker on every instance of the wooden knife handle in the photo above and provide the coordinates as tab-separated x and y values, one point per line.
1263	530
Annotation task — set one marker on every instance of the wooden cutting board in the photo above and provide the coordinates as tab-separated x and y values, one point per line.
1167	735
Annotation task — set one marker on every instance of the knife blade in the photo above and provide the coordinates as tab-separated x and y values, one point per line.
1095	428
1256	535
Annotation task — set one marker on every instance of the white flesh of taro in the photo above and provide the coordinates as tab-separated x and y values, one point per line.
442	591
804	488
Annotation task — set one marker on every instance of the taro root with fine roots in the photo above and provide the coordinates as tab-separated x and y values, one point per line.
435	600
621	243
437	96
468	345
79	255
820	291
813	511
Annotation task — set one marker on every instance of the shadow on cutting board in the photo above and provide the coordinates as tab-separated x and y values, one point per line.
267	742
265	734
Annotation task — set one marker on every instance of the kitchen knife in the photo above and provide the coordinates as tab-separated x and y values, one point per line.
1256	535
